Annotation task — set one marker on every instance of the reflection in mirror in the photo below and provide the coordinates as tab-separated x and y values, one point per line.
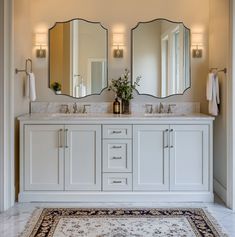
161	56
78	58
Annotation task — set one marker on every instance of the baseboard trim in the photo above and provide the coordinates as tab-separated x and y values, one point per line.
220	190
131	197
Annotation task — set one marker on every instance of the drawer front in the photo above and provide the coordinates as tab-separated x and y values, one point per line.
117	182
117	131
117	155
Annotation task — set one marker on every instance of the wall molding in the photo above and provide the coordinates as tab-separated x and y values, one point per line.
220	190
7	190
1	108
231	113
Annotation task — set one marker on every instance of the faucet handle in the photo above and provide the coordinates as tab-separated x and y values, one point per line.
169	110
64	108
75	108
149	108
84	111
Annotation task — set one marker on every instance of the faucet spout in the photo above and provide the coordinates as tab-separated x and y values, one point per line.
161	108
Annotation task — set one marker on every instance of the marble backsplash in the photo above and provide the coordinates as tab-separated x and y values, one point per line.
106	107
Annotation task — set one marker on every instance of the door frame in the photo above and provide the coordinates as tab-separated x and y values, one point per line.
7	189
231	113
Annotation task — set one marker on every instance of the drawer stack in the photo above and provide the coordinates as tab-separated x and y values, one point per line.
117	158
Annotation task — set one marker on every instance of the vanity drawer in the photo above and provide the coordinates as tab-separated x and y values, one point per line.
117	155
117	131
117	182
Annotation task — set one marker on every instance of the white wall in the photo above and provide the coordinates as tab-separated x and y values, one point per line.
219	57
118	16
1	107
22	50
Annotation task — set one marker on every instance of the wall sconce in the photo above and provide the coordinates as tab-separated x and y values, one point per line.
118	40
197	43
41	40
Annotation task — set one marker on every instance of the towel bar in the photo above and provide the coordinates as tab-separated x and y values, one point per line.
27	62
221	70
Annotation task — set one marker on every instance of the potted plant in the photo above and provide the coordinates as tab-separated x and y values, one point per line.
56	86
124	89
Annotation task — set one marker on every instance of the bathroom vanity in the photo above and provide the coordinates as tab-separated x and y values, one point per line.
101	157
116	158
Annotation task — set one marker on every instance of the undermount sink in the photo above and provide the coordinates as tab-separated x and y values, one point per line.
163	115
77	115
68	115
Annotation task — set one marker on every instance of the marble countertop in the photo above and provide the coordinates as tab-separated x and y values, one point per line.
110	116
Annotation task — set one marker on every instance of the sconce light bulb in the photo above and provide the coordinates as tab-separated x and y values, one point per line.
118	52
40	53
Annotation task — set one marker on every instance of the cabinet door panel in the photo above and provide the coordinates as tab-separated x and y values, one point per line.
83	157
43	157
151	158
189	157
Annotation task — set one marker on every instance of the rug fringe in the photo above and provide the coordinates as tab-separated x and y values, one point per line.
215	223
31	222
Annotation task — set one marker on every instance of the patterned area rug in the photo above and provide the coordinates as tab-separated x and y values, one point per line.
73	222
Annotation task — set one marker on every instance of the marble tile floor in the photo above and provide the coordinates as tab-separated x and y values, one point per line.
13	221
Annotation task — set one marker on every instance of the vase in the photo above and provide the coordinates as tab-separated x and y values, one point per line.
125	106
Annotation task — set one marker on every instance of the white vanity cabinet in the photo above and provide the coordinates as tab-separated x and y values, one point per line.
62	157
151	158
83	157
171	157
43	157
189	157
116	159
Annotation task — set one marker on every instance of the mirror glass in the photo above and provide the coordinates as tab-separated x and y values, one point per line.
78	58
161	56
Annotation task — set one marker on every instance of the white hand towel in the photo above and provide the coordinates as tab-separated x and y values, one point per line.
209	86
213	94
217	89
31	87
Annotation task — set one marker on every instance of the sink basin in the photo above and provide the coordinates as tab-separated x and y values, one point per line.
163	115
68	115
77	115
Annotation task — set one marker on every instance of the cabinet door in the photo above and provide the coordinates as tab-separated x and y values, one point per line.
83	157
151	157
189	157
43	161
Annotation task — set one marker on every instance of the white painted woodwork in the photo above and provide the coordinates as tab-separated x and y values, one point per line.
189	157
117	131
83	157
117	182
151	158
117	155
161	160
43	158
